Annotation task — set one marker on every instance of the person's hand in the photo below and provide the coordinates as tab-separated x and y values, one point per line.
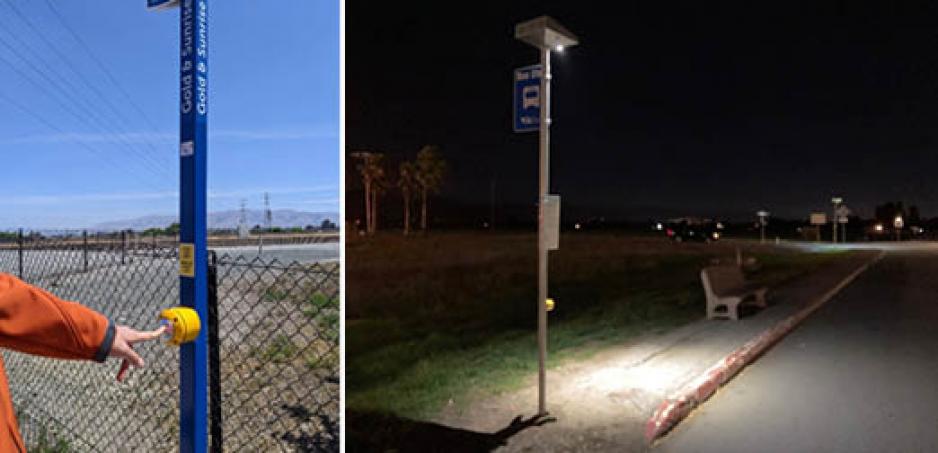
124	339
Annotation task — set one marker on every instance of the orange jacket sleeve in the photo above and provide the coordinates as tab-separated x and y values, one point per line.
36	322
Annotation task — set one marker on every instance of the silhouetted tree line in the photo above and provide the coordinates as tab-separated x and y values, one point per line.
415	180
887	212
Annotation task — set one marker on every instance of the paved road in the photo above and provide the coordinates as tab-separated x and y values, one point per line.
860	375
287	253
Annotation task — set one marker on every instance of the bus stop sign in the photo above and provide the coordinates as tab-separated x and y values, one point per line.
527	102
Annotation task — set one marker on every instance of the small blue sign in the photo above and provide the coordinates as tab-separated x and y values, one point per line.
162	4
527	105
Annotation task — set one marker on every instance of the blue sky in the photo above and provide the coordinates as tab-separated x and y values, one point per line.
77	151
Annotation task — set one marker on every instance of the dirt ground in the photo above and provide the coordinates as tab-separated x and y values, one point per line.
590	408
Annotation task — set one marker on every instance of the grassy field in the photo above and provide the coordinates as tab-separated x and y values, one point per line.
444	318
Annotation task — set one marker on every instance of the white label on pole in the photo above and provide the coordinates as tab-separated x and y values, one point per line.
818	218
186	148
552	221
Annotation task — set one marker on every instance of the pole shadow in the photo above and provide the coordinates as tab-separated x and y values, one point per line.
379	432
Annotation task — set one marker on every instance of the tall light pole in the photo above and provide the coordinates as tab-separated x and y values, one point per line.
836	201
546	34
763	220
843	218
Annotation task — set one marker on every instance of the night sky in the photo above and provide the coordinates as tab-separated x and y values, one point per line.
665	108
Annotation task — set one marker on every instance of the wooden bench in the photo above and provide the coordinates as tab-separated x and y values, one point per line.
726	287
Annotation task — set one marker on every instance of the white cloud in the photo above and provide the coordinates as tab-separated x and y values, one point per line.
276	191
93	197
72	137
272	135
323	131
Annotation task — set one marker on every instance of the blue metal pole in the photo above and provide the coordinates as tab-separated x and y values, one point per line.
193	256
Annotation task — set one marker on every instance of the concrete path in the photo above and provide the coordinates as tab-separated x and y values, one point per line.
860	375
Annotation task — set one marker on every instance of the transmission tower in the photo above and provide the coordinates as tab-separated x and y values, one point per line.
268	216
243	230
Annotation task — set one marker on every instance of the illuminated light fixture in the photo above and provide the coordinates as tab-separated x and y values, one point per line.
545	33
878	227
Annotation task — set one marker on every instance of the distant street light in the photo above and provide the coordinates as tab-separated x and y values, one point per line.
842	217
545	34
836	202
763	220
898	223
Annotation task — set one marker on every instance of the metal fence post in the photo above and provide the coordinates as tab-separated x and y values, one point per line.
84	248
123	246
214	362
19	240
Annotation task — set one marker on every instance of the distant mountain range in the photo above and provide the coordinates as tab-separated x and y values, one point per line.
284	218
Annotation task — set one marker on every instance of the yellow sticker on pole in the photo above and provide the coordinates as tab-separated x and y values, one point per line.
187	260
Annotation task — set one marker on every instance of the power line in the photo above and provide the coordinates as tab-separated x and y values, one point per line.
100	65
42	36
87	113
31	81
52	126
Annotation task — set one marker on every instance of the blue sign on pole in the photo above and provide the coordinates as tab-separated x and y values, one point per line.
193	256
527	102
162	4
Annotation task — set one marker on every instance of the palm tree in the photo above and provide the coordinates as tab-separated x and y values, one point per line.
371	169
407	182
430	171
379	185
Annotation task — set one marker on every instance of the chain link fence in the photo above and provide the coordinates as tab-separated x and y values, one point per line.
277	370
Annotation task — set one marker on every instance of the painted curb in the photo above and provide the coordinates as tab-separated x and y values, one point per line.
675	408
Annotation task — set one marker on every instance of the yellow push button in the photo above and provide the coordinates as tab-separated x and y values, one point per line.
182	323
